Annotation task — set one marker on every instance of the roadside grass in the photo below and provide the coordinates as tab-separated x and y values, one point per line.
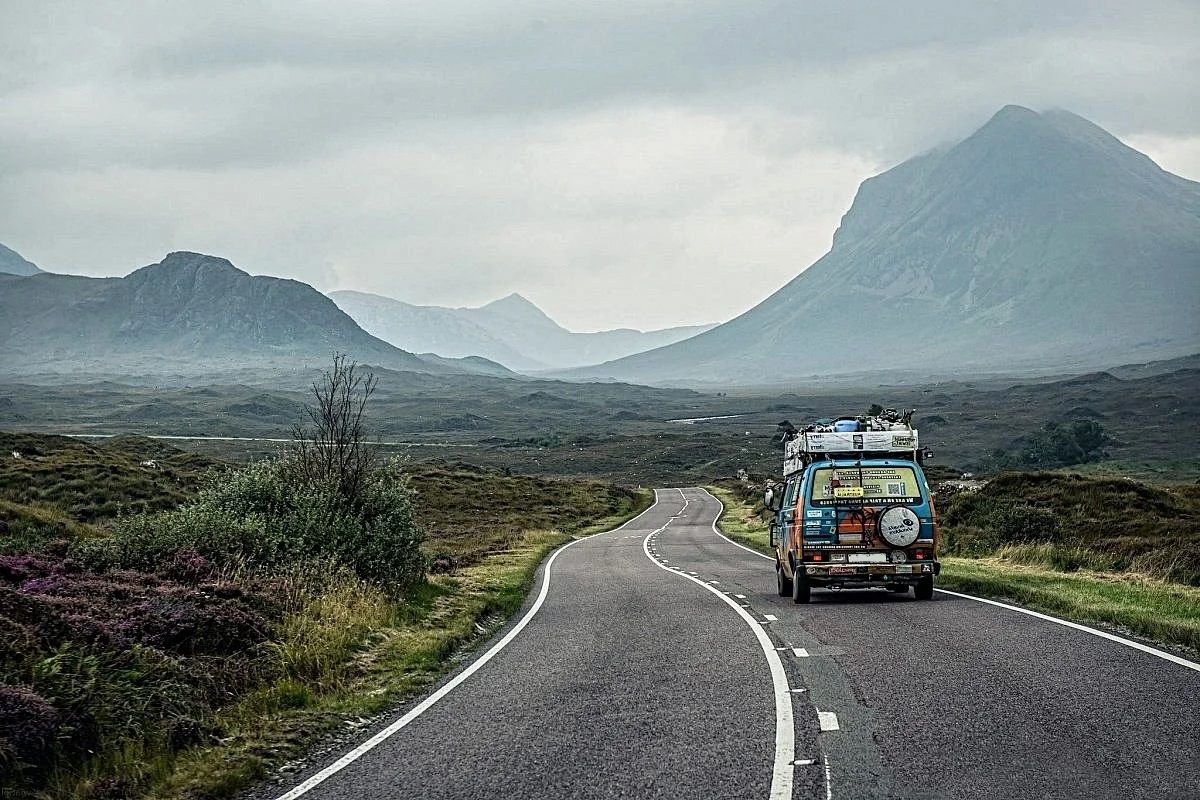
742	521
1153	609
1074	583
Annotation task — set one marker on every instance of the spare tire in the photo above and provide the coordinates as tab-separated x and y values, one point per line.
899	526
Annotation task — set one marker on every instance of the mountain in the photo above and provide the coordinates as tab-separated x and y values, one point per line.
190	312
11	263
1040	240
511	331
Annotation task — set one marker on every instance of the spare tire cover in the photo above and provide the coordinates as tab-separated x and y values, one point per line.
899	526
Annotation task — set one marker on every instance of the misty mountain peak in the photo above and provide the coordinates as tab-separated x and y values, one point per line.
518	308
1038	233
194	262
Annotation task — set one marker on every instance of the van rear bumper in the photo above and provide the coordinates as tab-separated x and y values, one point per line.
870	574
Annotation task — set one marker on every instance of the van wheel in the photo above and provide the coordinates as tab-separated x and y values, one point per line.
800	588
783	583
924	588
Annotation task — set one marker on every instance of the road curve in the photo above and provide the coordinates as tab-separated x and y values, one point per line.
656	660
628	681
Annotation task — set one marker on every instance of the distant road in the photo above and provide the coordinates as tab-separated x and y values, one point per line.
657	661
246	439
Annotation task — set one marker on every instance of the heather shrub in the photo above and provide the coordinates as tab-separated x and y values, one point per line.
188	625
28	728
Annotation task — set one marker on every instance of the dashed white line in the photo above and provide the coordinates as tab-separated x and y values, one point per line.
799	652
785	734
770	617
828	721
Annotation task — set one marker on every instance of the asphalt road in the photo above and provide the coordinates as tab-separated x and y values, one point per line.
658	661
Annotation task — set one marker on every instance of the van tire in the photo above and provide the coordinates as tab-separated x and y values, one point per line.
783	583
801	591
924	588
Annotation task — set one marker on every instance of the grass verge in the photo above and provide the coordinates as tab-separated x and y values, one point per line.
401	648
741	521
1164	612
1154	609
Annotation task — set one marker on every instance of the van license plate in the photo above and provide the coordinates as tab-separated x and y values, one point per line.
867	558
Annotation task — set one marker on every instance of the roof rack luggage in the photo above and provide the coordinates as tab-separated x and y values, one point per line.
888	435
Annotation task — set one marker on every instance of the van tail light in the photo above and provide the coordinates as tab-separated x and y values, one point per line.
818	556
920	555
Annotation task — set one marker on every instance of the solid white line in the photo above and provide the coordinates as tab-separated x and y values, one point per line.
785	734
828	721
726	538
1183	662
364	748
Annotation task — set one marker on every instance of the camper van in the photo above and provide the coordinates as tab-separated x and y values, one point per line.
854	510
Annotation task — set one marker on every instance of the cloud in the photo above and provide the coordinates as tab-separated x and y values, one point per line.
633	164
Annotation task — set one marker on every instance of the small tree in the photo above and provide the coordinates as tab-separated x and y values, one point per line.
332	449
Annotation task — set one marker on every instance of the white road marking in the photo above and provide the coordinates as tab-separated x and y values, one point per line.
785	734
358	752
1174	659
770	617
828	780
799	691
828	721
740	596
799	652
805	762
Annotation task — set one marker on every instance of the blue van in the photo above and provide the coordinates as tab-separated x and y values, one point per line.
845	522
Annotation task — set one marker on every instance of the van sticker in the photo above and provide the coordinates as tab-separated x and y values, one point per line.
814	513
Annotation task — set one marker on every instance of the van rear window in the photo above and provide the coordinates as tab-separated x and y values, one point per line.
854	486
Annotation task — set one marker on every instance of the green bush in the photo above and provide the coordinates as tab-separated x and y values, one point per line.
266	516
1057	445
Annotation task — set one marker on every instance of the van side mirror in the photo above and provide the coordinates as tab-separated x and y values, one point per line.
772	500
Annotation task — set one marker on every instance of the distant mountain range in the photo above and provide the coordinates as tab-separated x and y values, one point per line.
512	331
11	263
1040	240
188	313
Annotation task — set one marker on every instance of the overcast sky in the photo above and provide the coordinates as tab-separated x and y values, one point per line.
619	163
